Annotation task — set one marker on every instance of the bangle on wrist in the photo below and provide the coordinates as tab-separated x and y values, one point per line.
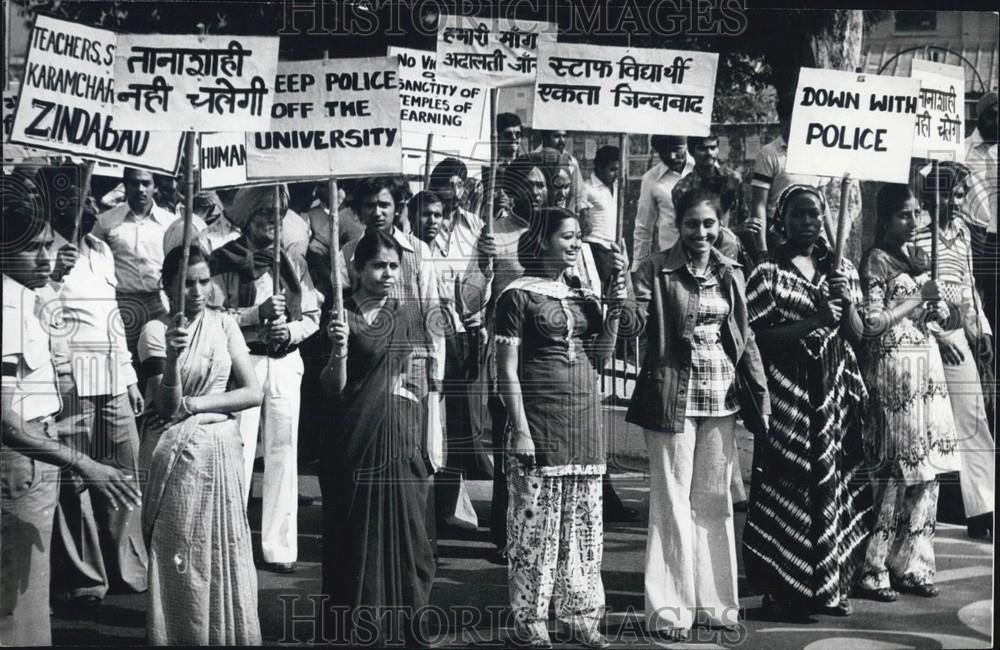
186	405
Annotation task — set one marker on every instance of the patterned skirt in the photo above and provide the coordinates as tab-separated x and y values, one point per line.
810	507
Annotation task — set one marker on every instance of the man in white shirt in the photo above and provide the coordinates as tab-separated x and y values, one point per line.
134	230
655	227
30	452
101	398
981	202
600	206
273	325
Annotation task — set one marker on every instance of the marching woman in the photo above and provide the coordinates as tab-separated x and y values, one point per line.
810	515
378	556
910	429
552	338
692	301
202	580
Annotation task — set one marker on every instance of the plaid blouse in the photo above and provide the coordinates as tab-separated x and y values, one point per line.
711	390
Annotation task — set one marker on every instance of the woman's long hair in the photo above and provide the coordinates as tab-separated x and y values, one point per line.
545	224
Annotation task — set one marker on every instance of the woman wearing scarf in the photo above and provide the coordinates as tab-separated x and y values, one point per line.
378	562
552	337
273	325
202	580
809	516
910	429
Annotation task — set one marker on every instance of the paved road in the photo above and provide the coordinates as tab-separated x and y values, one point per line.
474	591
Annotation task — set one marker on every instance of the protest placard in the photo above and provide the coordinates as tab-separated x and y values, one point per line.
429	105
491	51
625	90
222	160
181	82
335	117
15	153
850	123
67	98
940	111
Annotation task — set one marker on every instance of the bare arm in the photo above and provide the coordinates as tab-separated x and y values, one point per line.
510	392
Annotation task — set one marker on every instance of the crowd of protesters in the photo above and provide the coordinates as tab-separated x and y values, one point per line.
472	343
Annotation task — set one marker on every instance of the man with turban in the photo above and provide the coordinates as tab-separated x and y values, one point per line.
274	325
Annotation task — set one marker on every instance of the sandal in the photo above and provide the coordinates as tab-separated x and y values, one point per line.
588	637
925	590
842	608
884	595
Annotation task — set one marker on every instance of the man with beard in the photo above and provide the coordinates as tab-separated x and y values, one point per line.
274	325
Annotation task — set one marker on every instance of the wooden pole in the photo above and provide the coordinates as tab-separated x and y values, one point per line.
427	160
88	172
838	255
276	265
622	175
338	294
189	153
934	222
488	223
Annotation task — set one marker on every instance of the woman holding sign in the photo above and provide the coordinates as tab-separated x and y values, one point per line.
909	428
809	516
202	580
378	563
552	337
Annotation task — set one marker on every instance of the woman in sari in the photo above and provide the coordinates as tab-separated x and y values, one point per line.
910	429
810	515
202	580
553	336
378	563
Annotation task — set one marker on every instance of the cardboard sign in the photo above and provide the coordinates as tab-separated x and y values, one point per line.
222	160
67	101
438	106
491	51
625	90
184	82
845	122
330	117
940	111
15	153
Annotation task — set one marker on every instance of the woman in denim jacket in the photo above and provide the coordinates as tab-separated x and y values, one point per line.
691	300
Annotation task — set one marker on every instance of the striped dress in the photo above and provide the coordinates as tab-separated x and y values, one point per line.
810	510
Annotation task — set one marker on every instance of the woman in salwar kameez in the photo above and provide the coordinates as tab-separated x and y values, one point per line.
810	514
202	580
910	429
378	562
553	337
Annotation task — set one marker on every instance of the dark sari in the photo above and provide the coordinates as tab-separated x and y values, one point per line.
378	560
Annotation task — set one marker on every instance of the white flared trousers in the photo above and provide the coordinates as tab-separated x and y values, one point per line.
277	421
691	547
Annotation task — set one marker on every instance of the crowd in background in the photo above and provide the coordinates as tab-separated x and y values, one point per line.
475	351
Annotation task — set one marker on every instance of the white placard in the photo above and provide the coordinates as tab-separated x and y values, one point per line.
624	90
940	111
67	101
850	123
330	117
181	82
222	160
16	153
491	51
439	106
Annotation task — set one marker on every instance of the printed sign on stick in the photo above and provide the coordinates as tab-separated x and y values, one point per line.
181	82
850	123
67	101
940	111
491	51
330	117
626	90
